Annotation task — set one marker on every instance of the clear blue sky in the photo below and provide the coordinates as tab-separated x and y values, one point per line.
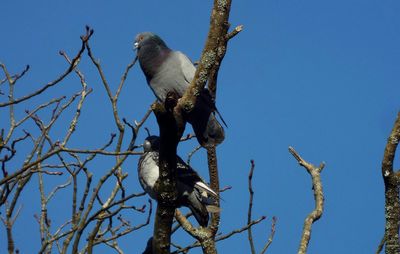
321	76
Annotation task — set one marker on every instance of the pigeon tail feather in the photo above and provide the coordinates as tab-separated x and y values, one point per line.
198	209
205	125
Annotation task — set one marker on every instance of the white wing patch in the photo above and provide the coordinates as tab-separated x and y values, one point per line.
204	187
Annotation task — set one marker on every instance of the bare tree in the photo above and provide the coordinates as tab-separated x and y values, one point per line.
101	208
49	157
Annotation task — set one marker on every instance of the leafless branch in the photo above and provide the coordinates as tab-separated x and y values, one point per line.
75	61
192	153
271	236
318	196
380	246
85	209
124	76
97	151
85	92
251	192
392	198
222	237
225	188
212	55
129	229
235	32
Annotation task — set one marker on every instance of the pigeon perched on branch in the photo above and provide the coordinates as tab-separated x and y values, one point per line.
172	71
193	192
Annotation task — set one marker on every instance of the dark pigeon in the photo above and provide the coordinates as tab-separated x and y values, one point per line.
172	71
193	192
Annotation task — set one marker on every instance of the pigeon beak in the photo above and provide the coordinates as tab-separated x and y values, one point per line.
136	45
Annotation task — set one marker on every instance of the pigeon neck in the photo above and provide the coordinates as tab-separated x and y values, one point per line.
151	58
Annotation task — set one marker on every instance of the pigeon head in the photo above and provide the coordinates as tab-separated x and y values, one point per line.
151	143
148	39
151	52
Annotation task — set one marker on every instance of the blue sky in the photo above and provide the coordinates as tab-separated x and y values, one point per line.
321	76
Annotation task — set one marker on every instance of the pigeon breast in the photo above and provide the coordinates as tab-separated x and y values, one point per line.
149	172
174	74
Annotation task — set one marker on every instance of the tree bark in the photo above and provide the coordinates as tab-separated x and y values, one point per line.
171	130
392	202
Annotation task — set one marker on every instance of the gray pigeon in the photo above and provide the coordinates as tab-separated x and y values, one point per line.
193	192
172	71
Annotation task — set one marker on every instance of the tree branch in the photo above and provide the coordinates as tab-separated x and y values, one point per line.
392	202
318	197
212	55
71	67
251	193
271	236
171	130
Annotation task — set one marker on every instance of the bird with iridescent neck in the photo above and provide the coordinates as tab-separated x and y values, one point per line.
172	71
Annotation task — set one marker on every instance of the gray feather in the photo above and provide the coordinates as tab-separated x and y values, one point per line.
170	78
193	192
172	71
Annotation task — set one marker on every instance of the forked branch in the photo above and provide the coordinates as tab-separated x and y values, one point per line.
318	197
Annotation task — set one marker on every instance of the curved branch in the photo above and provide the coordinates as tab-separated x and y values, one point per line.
71	67
318	196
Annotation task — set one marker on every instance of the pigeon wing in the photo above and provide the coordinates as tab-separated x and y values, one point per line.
187	67
189	177
174	75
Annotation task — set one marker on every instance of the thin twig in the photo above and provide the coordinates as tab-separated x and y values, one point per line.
251	192
381	244
271	236
75	61
235	32
98	151
192	153
222	237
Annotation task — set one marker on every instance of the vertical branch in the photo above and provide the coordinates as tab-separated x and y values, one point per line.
83	95
318	197
391	180
171	130
212	55
113	99
251	192
249	215
121	128
10	220
11	84
214	184
43	205
212	80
